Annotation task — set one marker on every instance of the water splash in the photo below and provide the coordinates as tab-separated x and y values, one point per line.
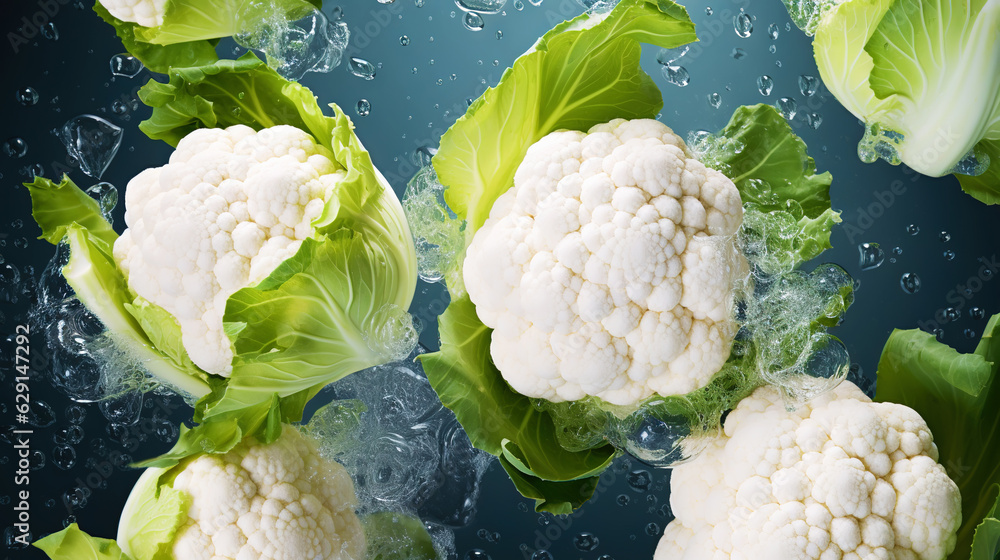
438	235
806	14
293	48
93	141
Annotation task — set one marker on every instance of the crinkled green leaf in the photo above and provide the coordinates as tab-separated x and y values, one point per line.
959	397
198	20
158	58
986	541
73	544
579	74
151	518
56	206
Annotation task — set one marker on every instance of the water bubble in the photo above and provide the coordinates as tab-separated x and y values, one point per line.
75	414
124	408
677	75
738	53
743	25
26	96
669	56
518	5
765	84
41	415
361	68
72	435
93	141
481	6
772	49
106	195
870	256
15	147
363	108
969	333
652	529
951	314
499	34
623	499
910	283
814	120
772	31
715	100
976	162
709	11
787	107
473	21
944	236
542	555
912	229
50	31
125	65
949	255
639	480
63	457
808	85
586	542
404	40
897	250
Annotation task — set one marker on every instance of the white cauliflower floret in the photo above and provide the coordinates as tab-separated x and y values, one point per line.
840	478
230	206
280	501
146	13
610	268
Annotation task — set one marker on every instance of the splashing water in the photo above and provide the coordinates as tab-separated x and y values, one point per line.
293	48
405	451
93	141
390	332
438	235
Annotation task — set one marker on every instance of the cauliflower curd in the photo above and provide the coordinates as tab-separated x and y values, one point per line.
610	268
280	501
146	13
841	478
230	206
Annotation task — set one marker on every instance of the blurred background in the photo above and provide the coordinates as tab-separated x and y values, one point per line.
419	63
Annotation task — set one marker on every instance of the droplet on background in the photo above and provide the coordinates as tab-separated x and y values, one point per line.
765	84
870	256
361	68
26	96
912	229
473	21
910	283
677	75
738	53
481	6
125	65
743	24
787	107
808	85
715	100
93	141
15	147
363	108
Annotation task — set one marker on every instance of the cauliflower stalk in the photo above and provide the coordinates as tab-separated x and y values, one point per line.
839	478
610	268
603	258
266	259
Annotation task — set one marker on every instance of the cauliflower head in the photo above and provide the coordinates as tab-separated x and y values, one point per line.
279	501
610	268
840	478
146	13
227	209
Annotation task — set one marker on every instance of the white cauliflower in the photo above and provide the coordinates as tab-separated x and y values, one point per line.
609	269
146	13
840	478
280	501
228	208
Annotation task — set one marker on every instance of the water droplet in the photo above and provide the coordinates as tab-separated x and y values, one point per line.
772	31
944	236
106	194
738	53
93	141
949	255
40	414
951	314
709	11
49	31
404	40
623	500
912	229
870	256
765	84
639	480
743	25
125	65
814	120
969	333
499	34
910	283
787	107
15	147
586	542
473	21
652	529
669	56
772	49
518	5
677	75
364	108
481	6
63	456
542	555
535	2
897	250
75	413
26	96
361	68
477	554
715	100
808	85
977	313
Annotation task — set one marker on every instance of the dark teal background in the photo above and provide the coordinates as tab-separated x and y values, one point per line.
418	91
